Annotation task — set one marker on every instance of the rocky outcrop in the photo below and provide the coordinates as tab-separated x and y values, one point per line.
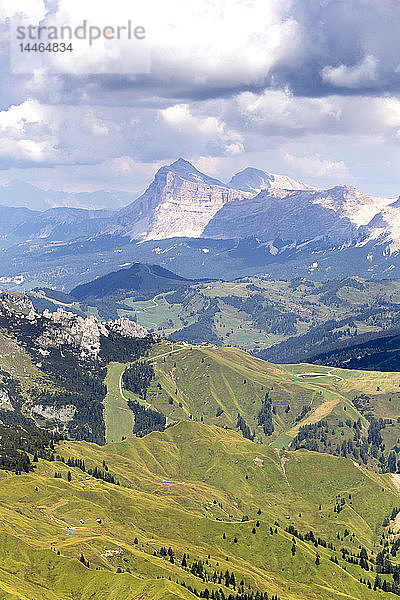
127	328
5	402
73	330
64	414
13	303
63	328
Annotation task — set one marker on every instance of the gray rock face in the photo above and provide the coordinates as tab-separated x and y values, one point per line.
54	413
340	214
5	402
63	327
386	225
127	328
74	330
179	203
183	202
254	181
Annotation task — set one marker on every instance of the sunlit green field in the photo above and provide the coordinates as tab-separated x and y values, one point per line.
188	488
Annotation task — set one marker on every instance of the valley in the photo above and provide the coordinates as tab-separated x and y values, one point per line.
281	321
220	420
199	300
215	474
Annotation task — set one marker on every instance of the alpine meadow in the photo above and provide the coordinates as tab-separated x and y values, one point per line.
199	300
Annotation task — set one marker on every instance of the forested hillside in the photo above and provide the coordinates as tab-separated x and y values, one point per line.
53	366
280	321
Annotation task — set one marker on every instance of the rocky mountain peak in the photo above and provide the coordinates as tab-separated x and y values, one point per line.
254	181
179	202
251	180
188	172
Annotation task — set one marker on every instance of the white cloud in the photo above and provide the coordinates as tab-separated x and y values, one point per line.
30	9
279	112
42	133
315	166
223	43
286	81
363	74
26	133
207	130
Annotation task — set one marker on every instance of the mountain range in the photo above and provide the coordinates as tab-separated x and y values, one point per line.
183	202
23	194
198	226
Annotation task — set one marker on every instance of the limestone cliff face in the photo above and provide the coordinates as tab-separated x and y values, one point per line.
5	402
179	203
182	202
386	225
73	330
341	214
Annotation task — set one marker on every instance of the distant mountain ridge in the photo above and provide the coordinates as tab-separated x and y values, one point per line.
21	194
137	279
183	202
268	220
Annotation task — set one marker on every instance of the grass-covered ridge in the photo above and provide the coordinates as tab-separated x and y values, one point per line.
206	493
216	385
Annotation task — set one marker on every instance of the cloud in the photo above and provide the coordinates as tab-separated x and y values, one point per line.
281	113
306	85
34	9
26	133
208	131
361	75
315	166
48	134
220	49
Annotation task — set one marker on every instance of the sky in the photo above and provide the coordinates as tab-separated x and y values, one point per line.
306	88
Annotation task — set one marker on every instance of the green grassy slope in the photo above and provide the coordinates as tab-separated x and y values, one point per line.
215	384
118	417
29	573
189	488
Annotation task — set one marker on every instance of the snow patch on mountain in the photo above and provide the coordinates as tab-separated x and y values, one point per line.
350	202
386	224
